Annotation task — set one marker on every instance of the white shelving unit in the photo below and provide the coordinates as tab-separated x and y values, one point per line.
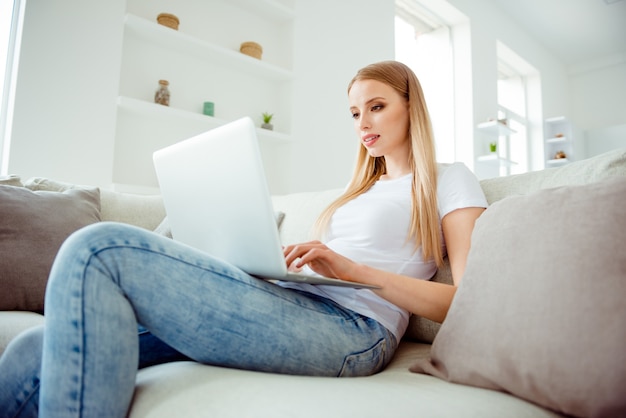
147	109
202	63
494	158
559	142
495	128
180	42
492	161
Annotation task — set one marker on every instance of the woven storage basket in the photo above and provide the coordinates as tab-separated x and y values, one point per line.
169	20
252	49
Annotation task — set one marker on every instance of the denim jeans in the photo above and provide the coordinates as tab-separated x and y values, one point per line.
108	278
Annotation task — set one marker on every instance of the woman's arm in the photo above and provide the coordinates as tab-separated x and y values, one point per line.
457	229
421	297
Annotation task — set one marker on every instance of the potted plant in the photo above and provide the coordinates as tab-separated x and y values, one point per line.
493	146
267	119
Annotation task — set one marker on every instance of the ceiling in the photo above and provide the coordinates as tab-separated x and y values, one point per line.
578	32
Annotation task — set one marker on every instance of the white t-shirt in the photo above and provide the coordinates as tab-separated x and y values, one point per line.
372	229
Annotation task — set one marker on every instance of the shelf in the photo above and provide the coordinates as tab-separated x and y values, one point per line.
556	119
495	128
558	161
181	42
559	140
159	112
495	159
270	9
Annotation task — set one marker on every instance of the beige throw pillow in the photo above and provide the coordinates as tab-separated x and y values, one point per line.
33	225
541	310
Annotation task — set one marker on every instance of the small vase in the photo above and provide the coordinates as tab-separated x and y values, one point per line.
162	95
268	126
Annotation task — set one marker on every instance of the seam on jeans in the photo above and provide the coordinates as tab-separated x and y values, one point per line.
27	399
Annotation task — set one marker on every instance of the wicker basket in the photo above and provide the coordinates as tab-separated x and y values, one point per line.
252	49
169	20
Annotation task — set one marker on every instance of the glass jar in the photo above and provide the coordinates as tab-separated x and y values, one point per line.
162	95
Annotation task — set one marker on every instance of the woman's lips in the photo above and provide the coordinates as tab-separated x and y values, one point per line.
369	140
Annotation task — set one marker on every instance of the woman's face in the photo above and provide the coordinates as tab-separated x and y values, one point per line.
381	119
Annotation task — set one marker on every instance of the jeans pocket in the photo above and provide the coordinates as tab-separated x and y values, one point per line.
365	363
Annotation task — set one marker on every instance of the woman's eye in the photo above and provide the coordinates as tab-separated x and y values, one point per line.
376	108
355	115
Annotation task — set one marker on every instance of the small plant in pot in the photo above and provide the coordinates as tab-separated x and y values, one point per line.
267	119
493	146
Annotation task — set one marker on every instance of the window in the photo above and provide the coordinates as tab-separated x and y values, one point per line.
519	103
423	43
512	108
10	11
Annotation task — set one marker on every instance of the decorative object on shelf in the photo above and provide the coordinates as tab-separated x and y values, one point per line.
267	119
559	155
209	108
493	146
252	49
169	20
162	95
503	121
559	135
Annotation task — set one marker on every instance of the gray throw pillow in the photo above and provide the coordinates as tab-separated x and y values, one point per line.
541	310
33	225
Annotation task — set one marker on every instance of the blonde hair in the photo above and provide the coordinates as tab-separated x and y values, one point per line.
424	227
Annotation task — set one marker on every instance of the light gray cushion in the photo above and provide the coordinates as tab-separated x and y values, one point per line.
541	310
11	180
13	323
609	164
33	225
145	211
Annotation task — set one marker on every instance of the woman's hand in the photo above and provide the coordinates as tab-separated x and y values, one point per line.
320	259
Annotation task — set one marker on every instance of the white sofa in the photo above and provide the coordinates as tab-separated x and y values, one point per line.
187	389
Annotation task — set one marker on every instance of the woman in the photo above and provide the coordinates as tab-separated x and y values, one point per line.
393	225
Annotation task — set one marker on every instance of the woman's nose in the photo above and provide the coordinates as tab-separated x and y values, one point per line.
364	123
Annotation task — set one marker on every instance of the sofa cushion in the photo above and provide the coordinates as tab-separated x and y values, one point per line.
13	323
612	163
301	211
540	312
33	225
187	389
11	180
145	211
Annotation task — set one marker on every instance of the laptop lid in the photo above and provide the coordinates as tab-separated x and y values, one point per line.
217	199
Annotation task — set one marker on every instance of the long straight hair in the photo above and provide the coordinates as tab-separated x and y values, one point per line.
424	227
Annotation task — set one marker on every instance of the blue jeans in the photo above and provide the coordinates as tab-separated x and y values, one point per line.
108	278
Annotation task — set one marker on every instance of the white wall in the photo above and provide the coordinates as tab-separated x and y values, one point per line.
67	86
591	96
68	83
488	25
64	115
330	48
599	108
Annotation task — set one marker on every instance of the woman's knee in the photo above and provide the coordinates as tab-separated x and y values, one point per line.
100	234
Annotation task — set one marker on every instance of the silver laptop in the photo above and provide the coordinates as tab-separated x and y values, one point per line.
217	200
